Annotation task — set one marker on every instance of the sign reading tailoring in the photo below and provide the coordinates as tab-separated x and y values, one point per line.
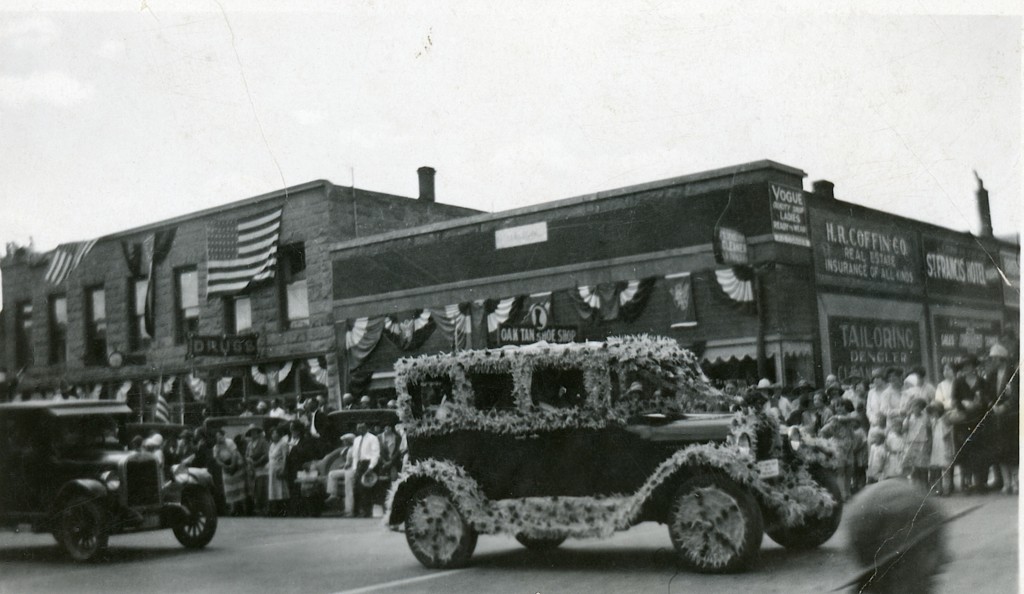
855	251
789	215
859	345
242	345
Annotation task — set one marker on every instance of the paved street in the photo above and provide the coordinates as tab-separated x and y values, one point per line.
335	555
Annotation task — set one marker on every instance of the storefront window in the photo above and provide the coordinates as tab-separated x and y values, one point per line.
139	337
95	326
58	329
238	314
187	302
295	296
23	330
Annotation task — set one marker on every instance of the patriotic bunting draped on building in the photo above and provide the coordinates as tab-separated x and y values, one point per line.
242	252
455	322
737	285
67	257
155	250
409	334
612	301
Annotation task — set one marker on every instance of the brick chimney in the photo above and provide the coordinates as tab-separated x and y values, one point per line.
824	188
426	183
984	211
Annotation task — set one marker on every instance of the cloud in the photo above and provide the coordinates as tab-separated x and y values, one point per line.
111	49
52	88
307	117
30	33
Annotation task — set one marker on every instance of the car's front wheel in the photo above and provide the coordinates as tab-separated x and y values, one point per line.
197	530
81	528
715	524
437	534
540	544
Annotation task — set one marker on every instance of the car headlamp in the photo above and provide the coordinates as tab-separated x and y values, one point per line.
795	439
743	443
180	472
111	480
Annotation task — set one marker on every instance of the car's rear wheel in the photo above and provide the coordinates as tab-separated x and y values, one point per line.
815	531
540	544
715	525
437	534
197	530
81	528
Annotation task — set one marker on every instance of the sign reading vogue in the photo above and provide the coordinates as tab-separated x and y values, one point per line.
243	345
849	250
789	215
860	345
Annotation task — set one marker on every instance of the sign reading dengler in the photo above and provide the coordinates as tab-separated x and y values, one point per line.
243	345
519	335
957	336
860	345
789	215
857	252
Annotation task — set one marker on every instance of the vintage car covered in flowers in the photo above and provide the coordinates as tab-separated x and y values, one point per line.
548	442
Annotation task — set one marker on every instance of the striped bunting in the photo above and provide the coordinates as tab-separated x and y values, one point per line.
67	257
242	252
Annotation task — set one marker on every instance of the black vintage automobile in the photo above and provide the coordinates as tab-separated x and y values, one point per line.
64	469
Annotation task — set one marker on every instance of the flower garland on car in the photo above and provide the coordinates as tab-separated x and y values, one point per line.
795	499
691	390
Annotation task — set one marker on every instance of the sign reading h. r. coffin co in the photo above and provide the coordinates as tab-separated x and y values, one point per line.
859	345
789	215
960	269
242	345
860	253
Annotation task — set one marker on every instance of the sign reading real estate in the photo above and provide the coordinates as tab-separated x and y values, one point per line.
960	269
860	345
855	251
242	345
958	336
789	215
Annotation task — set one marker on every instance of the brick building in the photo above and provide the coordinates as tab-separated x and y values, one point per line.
88	333
722	261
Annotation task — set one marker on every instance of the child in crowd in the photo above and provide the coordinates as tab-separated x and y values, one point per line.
917	430
896	449
876	455
841	427
940	462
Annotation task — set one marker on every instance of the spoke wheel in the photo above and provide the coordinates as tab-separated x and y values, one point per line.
436	532
81	528
197	530
714	524
540	544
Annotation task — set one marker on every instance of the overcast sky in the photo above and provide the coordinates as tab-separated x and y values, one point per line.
143	111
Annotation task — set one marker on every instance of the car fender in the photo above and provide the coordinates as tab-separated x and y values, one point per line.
466	493
197	478
91	488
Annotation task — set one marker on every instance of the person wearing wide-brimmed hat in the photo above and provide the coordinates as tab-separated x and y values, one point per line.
972	399
896	534
257	454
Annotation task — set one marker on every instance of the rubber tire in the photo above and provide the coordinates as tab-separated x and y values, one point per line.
81	513
742	502
540	545
200	503
816	531
465	539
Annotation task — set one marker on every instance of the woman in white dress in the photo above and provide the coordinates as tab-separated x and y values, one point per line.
277	495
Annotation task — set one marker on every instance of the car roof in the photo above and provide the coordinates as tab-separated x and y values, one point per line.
68	408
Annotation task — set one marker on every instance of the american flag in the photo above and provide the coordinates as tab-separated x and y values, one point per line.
66	258
242	252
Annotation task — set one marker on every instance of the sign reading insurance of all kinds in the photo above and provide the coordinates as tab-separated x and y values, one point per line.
242	345
860	345
857	252
789	215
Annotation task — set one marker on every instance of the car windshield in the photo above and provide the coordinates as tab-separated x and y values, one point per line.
86	432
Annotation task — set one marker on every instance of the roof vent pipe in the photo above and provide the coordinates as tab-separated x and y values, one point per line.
984	211
426	183
824	188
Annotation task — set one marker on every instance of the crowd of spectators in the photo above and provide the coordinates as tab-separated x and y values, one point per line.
898	424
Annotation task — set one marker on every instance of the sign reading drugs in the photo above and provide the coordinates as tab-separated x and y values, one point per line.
856	252
789	215
859	345
242	345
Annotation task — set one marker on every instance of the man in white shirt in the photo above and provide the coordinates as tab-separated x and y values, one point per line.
877	405
366	455
276	411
